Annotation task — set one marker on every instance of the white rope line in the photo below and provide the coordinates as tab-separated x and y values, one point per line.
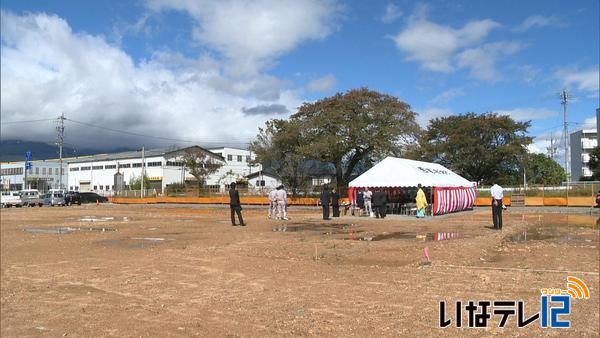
518	269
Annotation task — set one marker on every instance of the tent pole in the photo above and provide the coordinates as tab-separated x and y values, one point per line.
431	200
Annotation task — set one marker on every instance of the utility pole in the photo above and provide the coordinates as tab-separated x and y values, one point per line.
564	95
60	140
143	167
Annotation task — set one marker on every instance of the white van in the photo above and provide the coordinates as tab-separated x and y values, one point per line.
31	198
11	198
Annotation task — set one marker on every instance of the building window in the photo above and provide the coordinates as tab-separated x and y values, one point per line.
49	171
95	187
137	165
154	164
110	166
107	187
219	154
37	171
43	171
77	188
260	183
174	164
98	167
229	157
239	158
125	165
248	159
101	187
113	187
74	169
85	168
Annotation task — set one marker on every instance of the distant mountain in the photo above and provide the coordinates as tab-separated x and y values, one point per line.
14	150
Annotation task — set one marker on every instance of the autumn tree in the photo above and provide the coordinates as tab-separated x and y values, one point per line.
352	128
200	164
485	148
276	146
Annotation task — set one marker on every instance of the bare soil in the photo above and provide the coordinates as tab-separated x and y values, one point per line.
185	271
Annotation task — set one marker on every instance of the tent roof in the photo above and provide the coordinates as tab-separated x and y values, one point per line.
400	172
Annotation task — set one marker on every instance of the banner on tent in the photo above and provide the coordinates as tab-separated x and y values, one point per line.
448	200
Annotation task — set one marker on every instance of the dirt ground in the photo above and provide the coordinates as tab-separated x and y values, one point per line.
169	270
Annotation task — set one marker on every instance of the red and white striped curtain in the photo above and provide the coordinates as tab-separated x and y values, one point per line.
446	200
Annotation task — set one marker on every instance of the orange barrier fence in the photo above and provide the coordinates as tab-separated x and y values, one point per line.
544	201
261	200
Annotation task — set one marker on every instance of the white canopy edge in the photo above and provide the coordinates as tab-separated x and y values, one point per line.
400	172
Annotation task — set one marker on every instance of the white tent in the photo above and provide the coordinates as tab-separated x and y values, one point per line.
451	192
400	172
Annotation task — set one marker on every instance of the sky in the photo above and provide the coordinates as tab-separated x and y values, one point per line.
156	73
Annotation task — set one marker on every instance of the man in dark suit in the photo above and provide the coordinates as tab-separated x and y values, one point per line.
325	202
335	203
235	205
380	204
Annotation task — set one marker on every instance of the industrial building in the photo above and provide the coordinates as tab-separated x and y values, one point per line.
43	175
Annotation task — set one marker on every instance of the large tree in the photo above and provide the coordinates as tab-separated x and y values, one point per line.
276	146
485	148
352	128
200	165
541	169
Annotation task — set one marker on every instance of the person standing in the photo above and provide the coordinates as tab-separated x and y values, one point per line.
380	204
335	203
368	198
235	205
421	201
272	204
325	202
497	195
281	200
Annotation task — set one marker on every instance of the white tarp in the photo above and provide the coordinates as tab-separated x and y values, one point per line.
399	172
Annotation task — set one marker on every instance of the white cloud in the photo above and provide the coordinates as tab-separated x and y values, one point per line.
48	69
587	80
392	12
250	34
526	114
429	113
323	84
434	45
482	60
589	123
538	21
448	95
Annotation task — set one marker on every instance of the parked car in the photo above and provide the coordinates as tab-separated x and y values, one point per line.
31	198
92	197
73	197
53	198
11	198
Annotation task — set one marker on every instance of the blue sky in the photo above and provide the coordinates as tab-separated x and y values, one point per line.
212	72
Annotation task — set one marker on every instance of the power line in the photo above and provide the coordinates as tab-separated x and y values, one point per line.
213	141
26	121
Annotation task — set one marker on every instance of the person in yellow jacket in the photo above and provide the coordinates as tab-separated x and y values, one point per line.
421	202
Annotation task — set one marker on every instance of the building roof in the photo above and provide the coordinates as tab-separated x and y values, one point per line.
138	154
264	172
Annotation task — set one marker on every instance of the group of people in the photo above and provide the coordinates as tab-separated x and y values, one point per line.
330	198
375	203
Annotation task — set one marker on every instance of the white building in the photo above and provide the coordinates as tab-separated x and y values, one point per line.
162	167
582	144
43	175
238	165
263	181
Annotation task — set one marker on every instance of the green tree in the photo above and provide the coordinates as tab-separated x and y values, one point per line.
595	163
485	148
352	128
276	146
541	169
200	164
135	183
